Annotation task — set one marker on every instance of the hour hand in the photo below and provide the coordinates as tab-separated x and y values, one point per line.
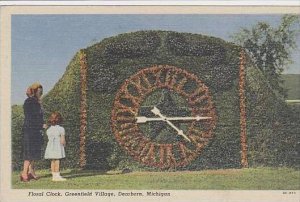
143	119
156	111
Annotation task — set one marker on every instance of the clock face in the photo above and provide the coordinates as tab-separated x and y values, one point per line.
163	116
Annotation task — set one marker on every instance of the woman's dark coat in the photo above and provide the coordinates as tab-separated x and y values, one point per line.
32	129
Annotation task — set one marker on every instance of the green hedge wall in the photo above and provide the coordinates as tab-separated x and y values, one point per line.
213	60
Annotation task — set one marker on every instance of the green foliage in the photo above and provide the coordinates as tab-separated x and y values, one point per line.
272	126
217	56
17	117
107	71
195	45
224	149
104	55
270	48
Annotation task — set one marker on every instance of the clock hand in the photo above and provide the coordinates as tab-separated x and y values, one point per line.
156	111
144	119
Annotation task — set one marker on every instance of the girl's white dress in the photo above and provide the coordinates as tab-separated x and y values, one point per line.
54	149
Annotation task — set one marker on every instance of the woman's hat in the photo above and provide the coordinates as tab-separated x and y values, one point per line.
35	85
32	88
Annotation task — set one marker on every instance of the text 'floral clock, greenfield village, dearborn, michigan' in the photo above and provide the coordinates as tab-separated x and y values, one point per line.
163	116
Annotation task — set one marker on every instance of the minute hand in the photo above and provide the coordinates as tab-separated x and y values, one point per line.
180	132
143	119
197	118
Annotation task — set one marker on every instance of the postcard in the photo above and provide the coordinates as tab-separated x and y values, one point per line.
150	103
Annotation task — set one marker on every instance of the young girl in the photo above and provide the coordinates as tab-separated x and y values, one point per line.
55	149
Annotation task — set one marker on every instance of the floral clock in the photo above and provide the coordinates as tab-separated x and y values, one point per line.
163	116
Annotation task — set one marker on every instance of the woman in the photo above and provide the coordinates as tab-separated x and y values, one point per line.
32	131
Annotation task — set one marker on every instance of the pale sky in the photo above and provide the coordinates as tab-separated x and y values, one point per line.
43	45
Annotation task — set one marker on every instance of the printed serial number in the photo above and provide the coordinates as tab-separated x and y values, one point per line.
289	192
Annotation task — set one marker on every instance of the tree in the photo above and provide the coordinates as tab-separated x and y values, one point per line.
272	125
270	48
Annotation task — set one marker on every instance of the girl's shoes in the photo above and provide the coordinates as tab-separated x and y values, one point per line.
56	177
24	178
31	176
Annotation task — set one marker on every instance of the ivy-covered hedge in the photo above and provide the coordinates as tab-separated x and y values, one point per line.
213	60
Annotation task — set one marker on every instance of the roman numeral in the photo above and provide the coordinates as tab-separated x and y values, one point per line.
128	131
142	84
149	157
126	112
124	108
181	84
135	101
124	126
166	156
157	76
199	90
198	99
170	79
140	146
196	138
199	141
136	144
186	154
145	150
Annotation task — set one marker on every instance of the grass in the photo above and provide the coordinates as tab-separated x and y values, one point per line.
291	83
229	179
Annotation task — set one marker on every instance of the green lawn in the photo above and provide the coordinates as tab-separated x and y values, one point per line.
291	83
235	179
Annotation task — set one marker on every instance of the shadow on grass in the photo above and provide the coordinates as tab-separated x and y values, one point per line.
45	176
75	173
